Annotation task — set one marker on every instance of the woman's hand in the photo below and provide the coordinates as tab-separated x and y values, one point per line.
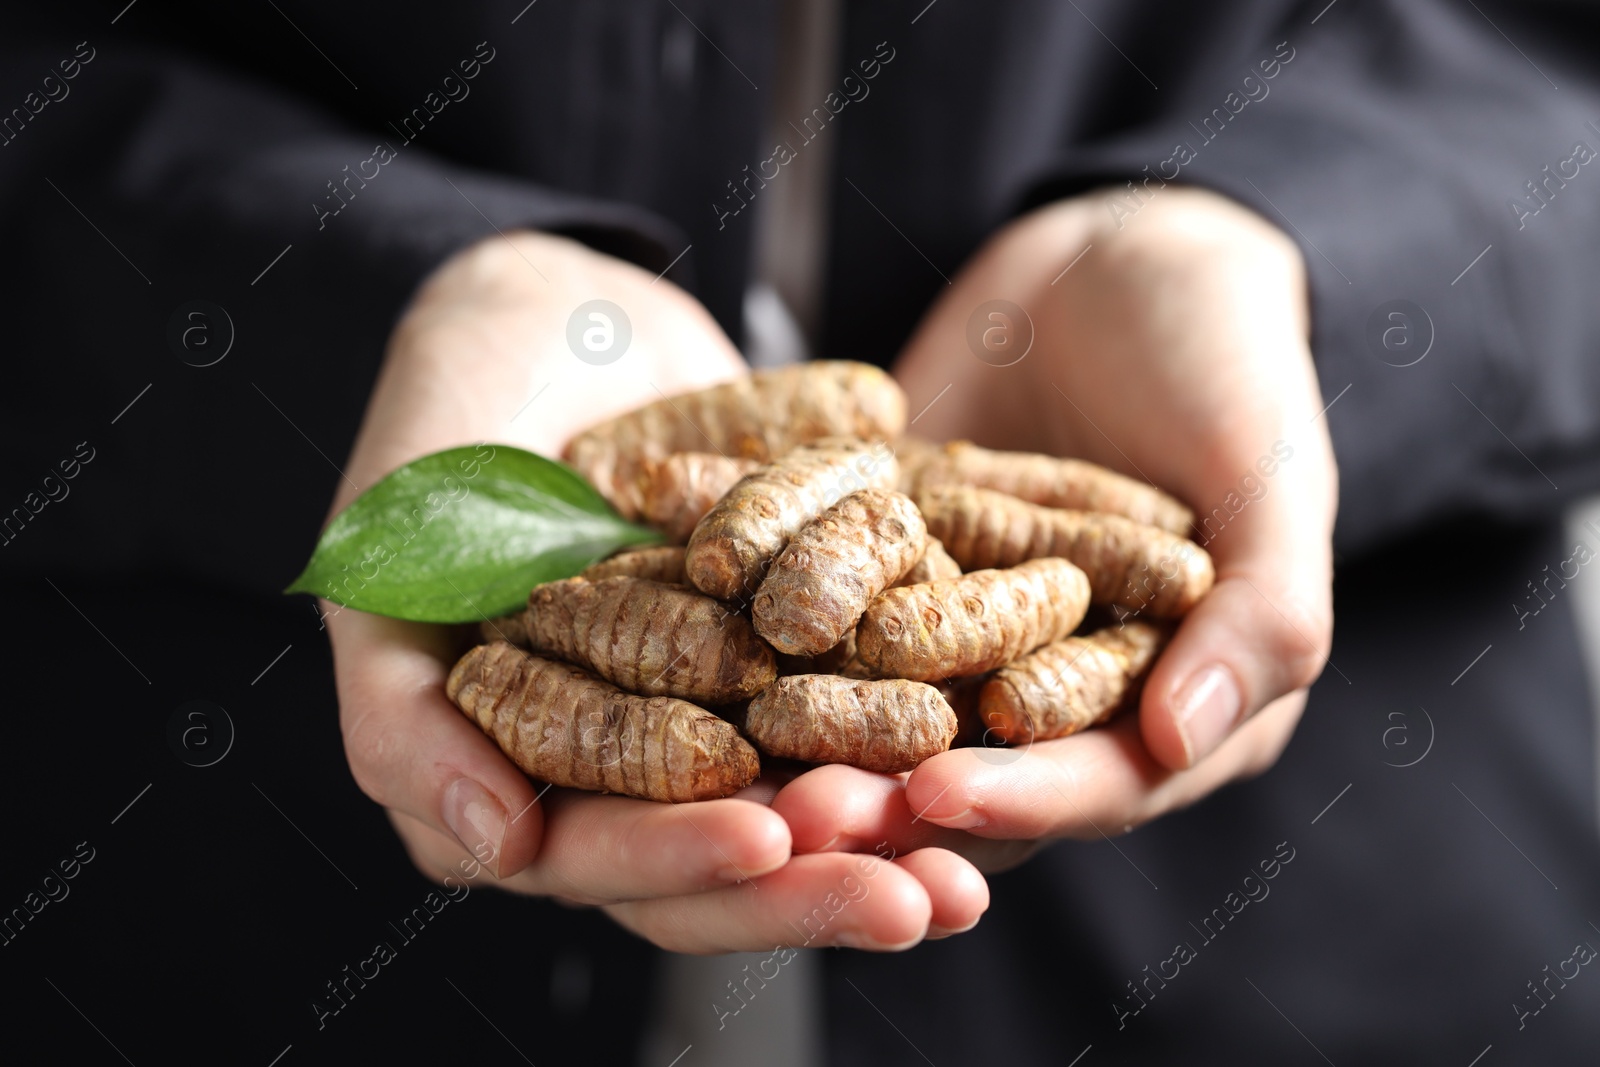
1176	351
480	355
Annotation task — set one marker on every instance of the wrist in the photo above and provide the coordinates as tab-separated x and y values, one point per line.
516	263
1186	230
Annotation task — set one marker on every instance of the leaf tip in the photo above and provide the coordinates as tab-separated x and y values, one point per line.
302	584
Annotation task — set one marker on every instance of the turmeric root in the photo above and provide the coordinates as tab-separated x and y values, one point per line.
676	492
1128	563
564	726
970	624
729	551
651	639
1068	685
914	454
934	565
821	582
759	417
1058	483
662	563
886	726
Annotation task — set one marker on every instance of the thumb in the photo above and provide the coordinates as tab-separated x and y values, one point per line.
410	750
1263	631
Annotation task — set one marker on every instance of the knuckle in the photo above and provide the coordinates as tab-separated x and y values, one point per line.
366	750
1054	811
1300	637
576	864
567	887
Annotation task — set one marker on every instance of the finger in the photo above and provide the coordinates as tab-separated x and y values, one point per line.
1094	784
608	849
836	808
1260	633
831	898
1266	626
957	891
605	849
411	750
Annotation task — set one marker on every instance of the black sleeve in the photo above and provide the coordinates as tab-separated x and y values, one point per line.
176	141
1436	162
138	177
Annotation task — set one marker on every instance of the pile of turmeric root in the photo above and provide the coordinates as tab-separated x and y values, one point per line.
833	592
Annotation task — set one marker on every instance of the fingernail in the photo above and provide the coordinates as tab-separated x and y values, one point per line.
937	932
832	841
852	939
966	819
1208	709
477	819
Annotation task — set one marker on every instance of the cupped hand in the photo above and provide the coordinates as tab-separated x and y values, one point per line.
482	354
1174	350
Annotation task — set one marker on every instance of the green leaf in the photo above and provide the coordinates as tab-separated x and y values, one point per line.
462	535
